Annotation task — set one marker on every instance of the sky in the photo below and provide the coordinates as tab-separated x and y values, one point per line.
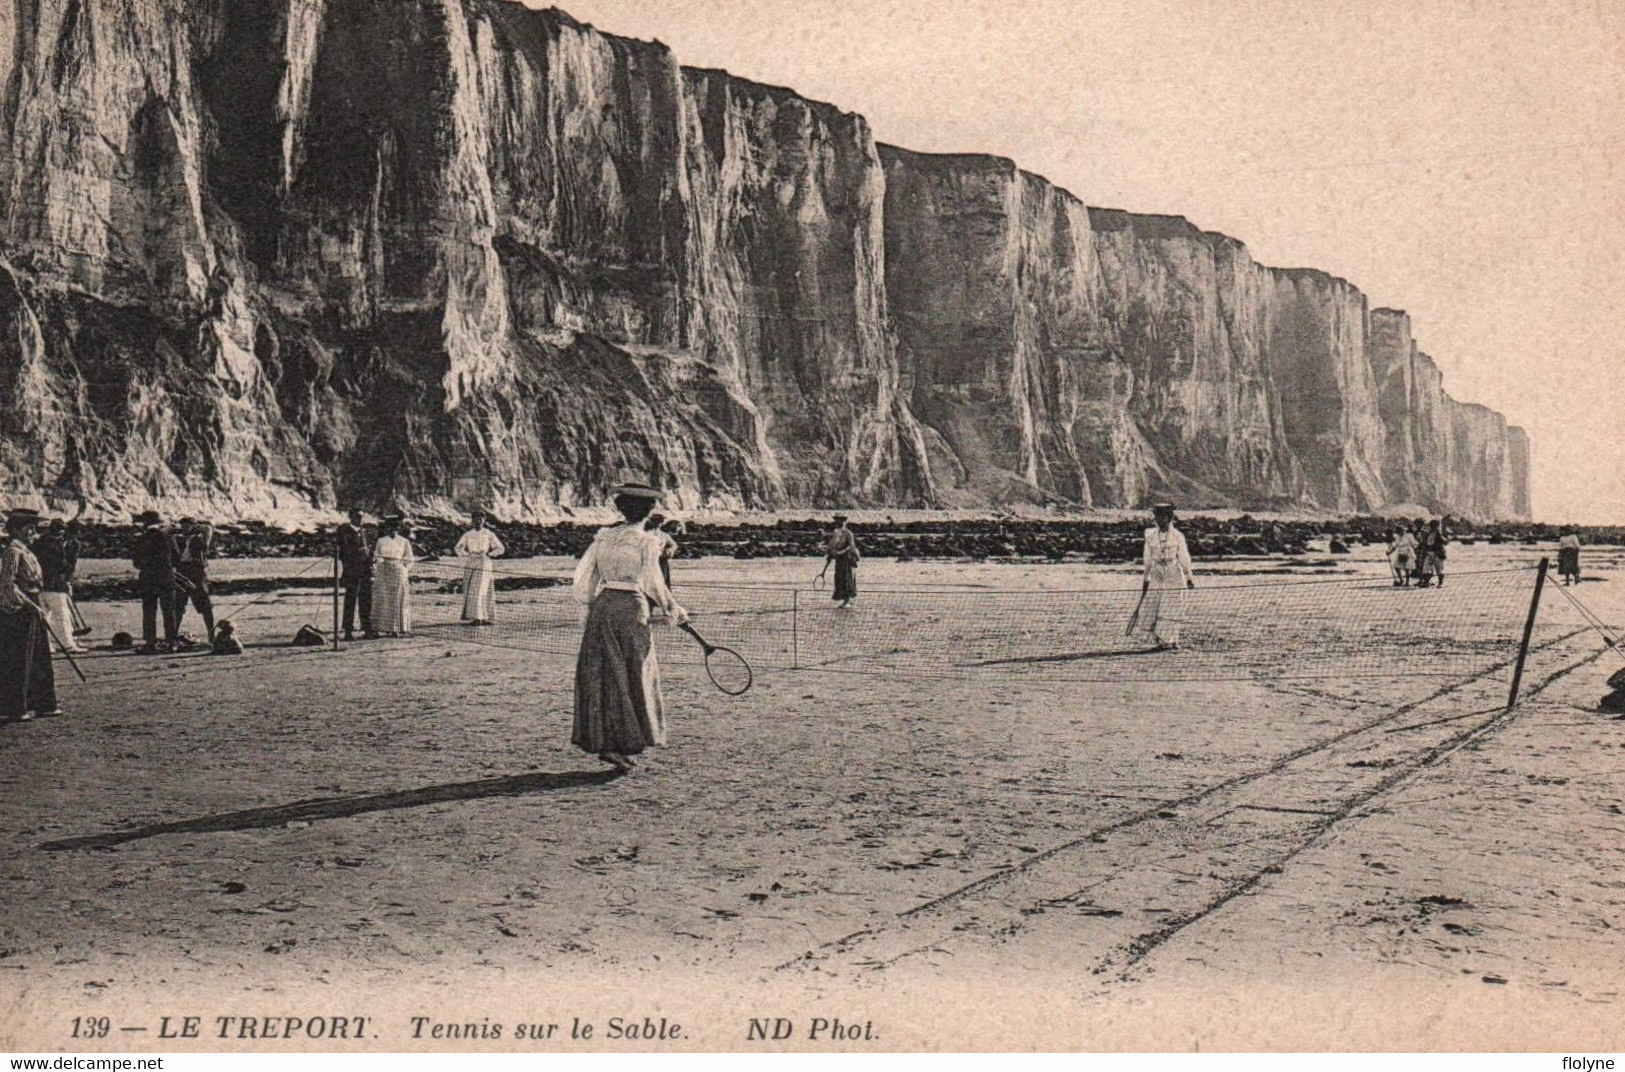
1457	159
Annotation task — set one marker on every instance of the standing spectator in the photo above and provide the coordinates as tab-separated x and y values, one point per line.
355	565
154	561
72	545
1437	538
1423	539
27	680
392	560
477	547
1400	550
1568	555
56	574
193	545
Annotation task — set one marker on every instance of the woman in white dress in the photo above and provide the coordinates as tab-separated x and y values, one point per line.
477	548
618	707
57	565
392	560
1168	574
1400	551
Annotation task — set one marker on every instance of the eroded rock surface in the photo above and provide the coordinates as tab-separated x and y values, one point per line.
260	258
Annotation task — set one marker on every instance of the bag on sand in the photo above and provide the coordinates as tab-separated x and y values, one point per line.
308	637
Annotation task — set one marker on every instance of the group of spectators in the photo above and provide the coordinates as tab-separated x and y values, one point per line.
172	574
1418	554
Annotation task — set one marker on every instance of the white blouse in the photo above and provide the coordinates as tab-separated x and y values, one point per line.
479	542
393	549
1167	552
627	558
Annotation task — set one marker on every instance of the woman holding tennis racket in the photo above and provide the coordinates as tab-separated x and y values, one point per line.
618	707
1168	574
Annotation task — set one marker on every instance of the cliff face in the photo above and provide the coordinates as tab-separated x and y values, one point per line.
1104	357
1441	454
263	257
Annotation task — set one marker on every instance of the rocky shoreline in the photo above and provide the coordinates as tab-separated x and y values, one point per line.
1097	541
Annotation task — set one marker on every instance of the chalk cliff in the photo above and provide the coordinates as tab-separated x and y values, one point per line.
262	257
1104	357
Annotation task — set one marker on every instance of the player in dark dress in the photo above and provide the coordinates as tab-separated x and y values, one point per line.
842	550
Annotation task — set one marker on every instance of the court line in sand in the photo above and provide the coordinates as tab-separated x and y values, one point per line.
1138	951
999	907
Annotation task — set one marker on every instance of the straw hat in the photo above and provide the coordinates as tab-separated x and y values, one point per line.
636	490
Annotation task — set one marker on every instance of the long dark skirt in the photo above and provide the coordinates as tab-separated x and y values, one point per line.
618	702
27	680
846	580
1568	561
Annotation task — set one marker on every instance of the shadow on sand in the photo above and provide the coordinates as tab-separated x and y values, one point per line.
1071	657
340	807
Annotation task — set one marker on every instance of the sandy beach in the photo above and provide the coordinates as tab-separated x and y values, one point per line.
1190	856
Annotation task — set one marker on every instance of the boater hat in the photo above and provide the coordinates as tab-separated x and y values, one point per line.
148	517
636	490
1162	508
23	515
838	518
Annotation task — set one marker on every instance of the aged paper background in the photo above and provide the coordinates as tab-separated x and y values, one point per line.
1470	175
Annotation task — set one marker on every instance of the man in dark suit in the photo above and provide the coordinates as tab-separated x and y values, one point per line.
355	563
154	560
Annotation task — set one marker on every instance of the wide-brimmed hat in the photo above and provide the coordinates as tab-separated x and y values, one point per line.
148	517
1162	508
23	515
838	518
635	489
394	519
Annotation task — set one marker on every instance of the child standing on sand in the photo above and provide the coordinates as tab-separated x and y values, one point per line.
1568	555
1400	549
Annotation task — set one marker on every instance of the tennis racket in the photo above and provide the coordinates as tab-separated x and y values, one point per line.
1134	619
818	581
727	668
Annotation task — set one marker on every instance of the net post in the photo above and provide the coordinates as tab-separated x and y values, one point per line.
1528	631
335	590
795	630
